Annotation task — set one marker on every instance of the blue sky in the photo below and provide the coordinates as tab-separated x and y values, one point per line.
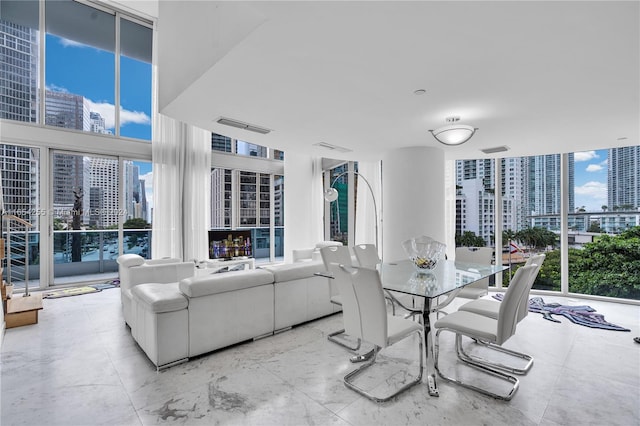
590	179
83	70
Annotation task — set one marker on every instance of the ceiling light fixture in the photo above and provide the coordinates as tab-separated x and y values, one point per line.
242	125
453	133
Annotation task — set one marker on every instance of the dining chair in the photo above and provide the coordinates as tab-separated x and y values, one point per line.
340	255
375	325
496	331
367	255
491	308
482	256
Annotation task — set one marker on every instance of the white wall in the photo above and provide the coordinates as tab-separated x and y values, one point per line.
413	194
303	203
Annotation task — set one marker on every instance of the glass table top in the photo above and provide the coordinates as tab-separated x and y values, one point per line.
448	275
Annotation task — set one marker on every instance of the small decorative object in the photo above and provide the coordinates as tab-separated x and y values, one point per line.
424	252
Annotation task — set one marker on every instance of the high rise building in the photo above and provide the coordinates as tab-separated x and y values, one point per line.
67	110
220	143
220	198
20	174
19	72
545	189
623	178
97	124
104	175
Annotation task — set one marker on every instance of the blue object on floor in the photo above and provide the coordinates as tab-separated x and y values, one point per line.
581	314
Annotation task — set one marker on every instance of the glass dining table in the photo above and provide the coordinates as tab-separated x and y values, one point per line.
446	279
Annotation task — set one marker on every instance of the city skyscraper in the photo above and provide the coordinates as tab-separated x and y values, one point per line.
19	71
623	178
70	176
67	110
104	175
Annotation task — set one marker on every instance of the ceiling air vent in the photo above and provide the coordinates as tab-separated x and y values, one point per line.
332	147
242	125
495	149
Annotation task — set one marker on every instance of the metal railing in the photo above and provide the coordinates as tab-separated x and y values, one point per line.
17	250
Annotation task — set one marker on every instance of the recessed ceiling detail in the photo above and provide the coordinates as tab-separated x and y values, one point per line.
242	125
495	149
332	147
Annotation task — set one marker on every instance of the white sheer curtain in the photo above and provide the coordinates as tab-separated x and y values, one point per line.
181	190
450	207
317	200
365	217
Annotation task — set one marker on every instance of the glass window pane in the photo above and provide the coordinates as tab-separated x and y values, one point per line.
20	169
251	150
220	143
339	209
80	67
137	195
135	80
604	228
20	58
86	212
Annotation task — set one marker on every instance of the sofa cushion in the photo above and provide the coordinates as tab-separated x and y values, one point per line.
221	283
130	260
159	297
295	271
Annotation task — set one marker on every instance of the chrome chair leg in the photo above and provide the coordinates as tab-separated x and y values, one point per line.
493	372
349	383
363	357
333	338
470	359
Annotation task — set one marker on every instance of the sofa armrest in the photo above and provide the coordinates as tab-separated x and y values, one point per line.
222	283
161	273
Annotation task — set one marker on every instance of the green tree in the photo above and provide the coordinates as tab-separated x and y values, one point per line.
469	239
609	266
594	227
136	223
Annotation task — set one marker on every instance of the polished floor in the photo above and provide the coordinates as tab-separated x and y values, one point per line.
80	366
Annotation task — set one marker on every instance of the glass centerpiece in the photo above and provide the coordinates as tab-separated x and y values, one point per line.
424	252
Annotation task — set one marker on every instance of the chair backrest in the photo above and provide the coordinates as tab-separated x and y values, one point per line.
508	315
537	260
479	255
371	306
336	254
350	312
367	255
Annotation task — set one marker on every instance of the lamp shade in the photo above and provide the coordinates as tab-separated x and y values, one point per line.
331	194
453	134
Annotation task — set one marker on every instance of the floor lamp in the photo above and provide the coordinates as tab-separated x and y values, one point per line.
331	194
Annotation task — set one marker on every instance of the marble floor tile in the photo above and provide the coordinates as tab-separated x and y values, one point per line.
80	366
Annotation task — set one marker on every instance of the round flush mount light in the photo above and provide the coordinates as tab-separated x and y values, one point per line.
453	133
419	92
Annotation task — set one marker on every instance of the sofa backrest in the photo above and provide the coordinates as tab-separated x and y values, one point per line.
221	283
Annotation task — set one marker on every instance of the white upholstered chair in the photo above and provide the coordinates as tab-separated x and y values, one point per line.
491	308
479	255
339	255
374	325
367	255
495	331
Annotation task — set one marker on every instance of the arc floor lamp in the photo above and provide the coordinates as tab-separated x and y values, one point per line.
331	194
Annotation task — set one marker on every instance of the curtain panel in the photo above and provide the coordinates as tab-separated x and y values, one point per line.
182	190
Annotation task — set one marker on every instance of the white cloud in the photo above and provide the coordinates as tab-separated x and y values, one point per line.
70	43
54	88
592	195
584	156
107	111
594	168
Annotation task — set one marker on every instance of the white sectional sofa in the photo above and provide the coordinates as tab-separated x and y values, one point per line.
173	322
134	270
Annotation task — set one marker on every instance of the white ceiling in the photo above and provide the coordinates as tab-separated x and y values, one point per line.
539	77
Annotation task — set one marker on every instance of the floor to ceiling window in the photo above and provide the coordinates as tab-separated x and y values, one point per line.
86	214
85	67
604	227
246	203
602	220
